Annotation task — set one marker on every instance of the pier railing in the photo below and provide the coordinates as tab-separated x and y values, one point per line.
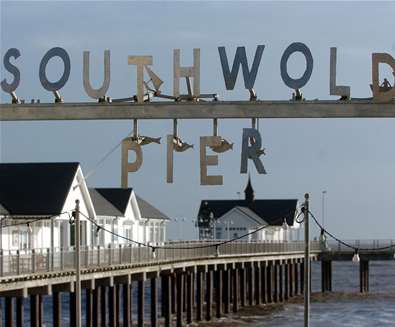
21	262
372	245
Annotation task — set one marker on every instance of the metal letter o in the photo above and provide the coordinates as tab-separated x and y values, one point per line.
62	54
300	82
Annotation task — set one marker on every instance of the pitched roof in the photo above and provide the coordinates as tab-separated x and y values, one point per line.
3	211
248	212
103	207
271	211
35	188
118	197
149	211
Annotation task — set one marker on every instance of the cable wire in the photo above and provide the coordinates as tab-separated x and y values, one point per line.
186	247
30	221
345	243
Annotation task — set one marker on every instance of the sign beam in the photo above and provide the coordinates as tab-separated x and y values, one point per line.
197	110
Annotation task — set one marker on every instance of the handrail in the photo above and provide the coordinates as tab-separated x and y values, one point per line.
20	262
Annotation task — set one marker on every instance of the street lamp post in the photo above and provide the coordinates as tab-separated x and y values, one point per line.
306	263
323	207
77	265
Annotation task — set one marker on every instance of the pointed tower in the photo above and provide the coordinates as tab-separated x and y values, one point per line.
249	193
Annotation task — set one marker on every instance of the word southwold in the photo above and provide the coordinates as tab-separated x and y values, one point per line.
230	75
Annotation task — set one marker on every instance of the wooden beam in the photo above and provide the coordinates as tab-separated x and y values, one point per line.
197	110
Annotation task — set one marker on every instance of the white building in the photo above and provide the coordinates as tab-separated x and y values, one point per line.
37	202
122	212
262	220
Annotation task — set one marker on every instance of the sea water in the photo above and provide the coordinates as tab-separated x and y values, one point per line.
345	307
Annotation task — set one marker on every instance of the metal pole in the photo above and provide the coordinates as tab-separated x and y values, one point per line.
306	263
77	265
323	208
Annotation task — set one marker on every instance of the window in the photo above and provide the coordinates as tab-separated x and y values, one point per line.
15	238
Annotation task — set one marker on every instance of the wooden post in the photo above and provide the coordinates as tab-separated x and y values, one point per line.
302	277
250	283
127	305
112	305
257	274
40	310
209	293
9	312
242	286
286	281
103	306
263	282
218	293
57	309
34	311
281	281
275	284
291	271
72	309
180	298
173	293
199	296
154	301
235	289
20	312
166	298
189	297
118	301
89	307
296	282
96	306
226	288
140	303
269	283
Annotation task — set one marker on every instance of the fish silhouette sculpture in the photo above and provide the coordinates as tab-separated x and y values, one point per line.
179	145
222	147
259	152
144	140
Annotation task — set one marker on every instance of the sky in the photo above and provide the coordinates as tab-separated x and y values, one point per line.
352	159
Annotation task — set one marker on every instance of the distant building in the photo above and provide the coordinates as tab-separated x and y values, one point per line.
37	201
122	212
229	219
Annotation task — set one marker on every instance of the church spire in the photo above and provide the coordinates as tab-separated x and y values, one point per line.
249	192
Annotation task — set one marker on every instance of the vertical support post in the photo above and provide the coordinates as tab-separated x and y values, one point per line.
209	293
118	302
286	281
189	297
275	284
296	272
166	294
281	281
250	283
218	293
96	306
77	265
127	306
173	293
242	286
180	297
103	304
269	284
112	305
235	289
291	271
34	308
57	309
257	274
226	290
40	310
140	304
72	308
263	282
20	312
199	295
89	307
9	312
306	263
154	300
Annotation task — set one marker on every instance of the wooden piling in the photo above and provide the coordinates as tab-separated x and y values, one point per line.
189	292
199	295
96	306
242	274
20	312
257	283
235	289
263	282
226	273
218	293
209	293
88	305
140	303
154	300
9	311
127	305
